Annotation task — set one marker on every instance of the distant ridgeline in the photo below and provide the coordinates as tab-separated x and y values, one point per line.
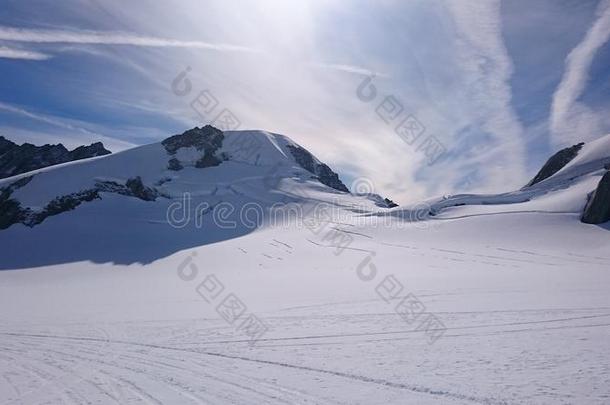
16	159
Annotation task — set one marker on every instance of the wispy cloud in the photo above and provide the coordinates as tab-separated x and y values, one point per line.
450	63
485	69
108	38
570	118
12	53
349	69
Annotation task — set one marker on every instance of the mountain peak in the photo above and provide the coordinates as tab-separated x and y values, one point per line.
196	137
207	139
250	147
236	167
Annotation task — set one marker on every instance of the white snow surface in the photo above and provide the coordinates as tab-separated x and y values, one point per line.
105	303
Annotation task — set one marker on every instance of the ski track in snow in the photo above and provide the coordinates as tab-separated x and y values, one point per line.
175	375
64	368
77	369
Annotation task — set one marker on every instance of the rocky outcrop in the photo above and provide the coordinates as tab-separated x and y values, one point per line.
389	203
597	210
139	190
207	139
5	145
11	211
133	187
379	201
58	205
322	172
556	163
16	159
93	150
174	164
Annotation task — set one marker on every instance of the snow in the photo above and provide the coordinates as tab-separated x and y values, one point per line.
564	192
594	151
96	308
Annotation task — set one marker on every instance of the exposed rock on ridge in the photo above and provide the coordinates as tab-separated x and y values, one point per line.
207	138
322	172
16	159
556	163
597	210
11	211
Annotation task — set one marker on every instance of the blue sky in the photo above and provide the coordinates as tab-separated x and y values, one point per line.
500	85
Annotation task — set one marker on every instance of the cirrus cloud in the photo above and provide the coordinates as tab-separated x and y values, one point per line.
568	115
108	38
12	53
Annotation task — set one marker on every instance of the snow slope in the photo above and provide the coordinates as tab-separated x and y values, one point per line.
564	192
115	310
259	175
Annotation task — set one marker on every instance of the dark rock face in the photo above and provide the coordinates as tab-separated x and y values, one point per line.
16	159
322	172
208	139
174	164
58	205
5	145
597	210
389	203
208	160
11	211
84	152
139	190
556	163
200	138
132	188
379	201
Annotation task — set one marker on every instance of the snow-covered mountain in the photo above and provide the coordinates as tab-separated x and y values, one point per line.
233	268
237	181
565	184
131	196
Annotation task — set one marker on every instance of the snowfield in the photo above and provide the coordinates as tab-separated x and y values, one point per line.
476	299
